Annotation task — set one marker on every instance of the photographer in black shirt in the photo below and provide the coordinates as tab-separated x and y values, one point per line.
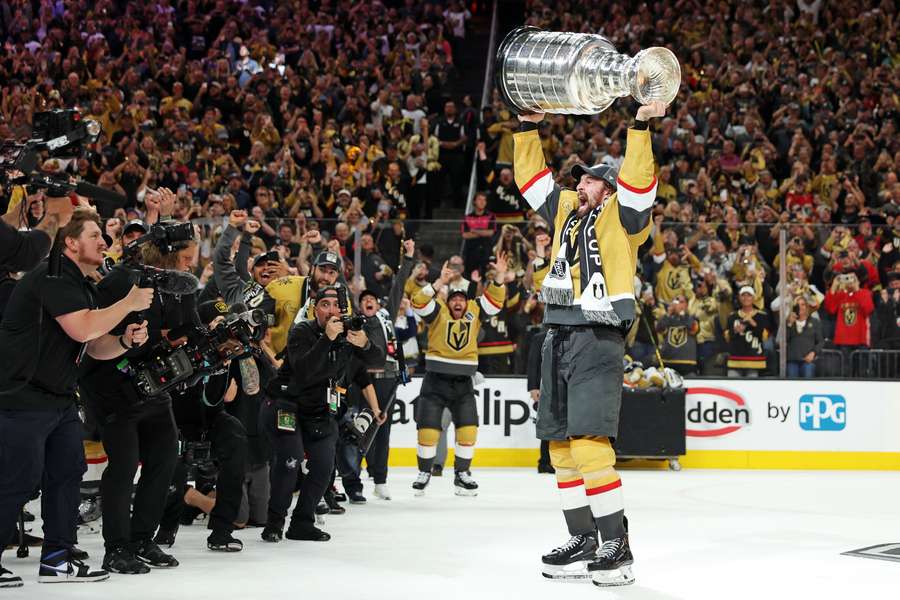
50	323
322	361
135	427
214	445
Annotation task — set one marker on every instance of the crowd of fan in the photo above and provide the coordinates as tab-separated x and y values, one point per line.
786	124
330	123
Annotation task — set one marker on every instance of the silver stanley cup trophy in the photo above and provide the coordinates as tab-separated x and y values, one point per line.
579	73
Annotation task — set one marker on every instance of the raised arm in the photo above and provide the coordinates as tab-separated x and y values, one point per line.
636	184
533	176
407	262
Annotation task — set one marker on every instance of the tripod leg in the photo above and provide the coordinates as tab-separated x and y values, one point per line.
22	551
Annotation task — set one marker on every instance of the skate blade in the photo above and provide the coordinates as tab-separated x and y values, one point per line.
465	492
621	576
574	572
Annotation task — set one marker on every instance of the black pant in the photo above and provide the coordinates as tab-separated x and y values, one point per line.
455	180
146	435
228	447
289	449
377	457
41	447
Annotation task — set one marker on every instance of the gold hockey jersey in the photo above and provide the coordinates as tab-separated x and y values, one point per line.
453	343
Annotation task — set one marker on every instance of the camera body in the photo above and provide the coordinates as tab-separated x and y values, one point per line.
353	431
206	351
167	236
353	322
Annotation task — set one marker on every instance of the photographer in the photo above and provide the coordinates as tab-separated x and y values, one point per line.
294	293
136	428
322	359
39	417
385	371
22	250
215	444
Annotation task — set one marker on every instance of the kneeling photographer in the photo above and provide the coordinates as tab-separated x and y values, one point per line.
324	356
136	421
214	448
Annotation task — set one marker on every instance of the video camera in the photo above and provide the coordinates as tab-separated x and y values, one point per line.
60	133
205	353
168	236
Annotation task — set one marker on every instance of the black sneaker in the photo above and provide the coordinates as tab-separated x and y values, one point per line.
78	554
122	560
147	551
8	580
322	508
271	534
612	566
338	496
569	561
464	484
307	533
356	498
331	500
60	567
545	468
437	470
166	537
223	541
27	516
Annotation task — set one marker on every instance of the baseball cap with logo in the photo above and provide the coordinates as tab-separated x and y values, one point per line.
328	259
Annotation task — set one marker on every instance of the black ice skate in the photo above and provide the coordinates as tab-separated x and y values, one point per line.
570	560
421	483
464	484
612	566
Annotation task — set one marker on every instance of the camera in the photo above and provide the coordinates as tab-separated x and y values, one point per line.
60	133
204	354
167	237
353	431
353	322
198	458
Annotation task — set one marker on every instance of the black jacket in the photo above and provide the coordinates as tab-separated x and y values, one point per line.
313	362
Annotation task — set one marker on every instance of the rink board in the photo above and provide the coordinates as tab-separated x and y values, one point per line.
730	424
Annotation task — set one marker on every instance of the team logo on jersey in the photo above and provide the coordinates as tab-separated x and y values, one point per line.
677	336
458	333
674	280
850	315
469	316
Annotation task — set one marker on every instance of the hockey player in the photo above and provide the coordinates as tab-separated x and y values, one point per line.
589	296
294	295
451	361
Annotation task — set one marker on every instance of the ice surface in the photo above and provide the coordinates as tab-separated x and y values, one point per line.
695	535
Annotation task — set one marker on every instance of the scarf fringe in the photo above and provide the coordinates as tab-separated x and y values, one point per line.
560	296
606	317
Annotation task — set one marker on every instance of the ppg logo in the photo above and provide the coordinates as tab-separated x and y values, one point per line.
822	412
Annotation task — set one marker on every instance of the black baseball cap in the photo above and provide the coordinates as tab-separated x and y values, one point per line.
270	256
328	259
135	224
365	293
455	292
211	309
600	171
